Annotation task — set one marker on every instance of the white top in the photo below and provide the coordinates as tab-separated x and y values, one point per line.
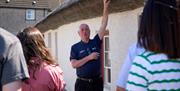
123	74
154	72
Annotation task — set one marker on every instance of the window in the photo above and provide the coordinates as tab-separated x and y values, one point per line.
107	62
30	14
45	12
56	44
49	40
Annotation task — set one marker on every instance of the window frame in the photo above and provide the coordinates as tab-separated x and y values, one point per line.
107	76
33	15
56	45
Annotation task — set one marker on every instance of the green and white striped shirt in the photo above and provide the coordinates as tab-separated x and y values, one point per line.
154	72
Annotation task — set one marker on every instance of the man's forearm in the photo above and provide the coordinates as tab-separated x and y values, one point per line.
104	19
79	63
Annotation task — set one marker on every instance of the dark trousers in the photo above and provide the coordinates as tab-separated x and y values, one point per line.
91	85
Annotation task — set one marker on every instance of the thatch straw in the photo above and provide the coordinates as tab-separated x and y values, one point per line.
84	9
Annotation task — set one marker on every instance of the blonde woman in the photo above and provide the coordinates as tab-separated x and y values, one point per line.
45	74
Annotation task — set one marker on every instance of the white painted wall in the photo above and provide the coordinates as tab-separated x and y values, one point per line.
123	30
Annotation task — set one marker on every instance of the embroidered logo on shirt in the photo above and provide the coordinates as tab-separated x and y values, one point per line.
82	51
94	48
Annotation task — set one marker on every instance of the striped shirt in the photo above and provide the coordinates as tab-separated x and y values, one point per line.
133	51
154	72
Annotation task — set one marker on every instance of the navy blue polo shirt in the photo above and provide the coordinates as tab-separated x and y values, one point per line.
80	50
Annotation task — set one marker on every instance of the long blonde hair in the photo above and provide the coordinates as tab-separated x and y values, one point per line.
34	46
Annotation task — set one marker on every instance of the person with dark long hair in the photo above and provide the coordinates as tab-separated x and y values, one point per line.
45	74
158	68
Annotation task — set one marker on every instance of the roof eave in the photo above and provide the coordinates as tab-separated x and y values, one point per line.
84	9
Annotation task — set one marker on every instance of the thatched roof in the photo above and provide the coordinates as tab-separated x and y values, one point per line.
38	4
75	10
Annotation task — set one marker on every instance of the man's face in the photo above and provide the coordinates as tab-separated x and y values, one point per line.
84	32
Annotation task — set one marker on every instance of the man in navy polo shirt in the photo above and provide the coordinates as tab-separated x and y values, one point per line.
85	58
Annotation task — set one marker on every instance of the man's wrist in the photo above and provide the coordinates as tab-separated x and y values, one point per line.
106	8
88	58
